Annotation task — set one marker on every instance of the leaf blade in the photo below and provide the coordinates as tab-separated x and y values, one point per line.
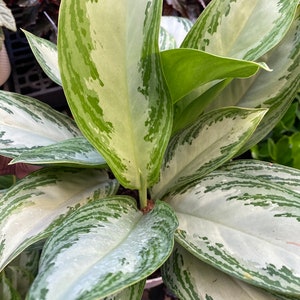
130	116
124	256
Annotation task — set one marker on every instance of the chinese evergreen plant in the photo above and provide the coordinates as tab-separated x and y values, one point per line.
161	107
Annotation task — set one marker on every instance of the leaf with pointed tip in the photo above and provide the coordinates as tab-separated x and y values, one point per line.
273	90
190	278
45	53
241	29
113	80
204	146
31	209
244	226
187	69
283	62
75	152
26	123
124	247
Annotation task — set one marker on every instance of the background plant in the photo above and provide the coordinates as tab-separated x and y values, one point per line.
166	122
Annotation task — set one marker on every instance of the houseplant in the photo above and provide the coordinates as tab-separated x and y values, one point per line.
164	124
6	20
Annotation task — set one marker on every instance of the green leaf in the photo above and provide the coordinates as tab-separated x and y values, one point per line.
31	209
75	152
273	90
194	68
205	145
113	80
26	123
45	53
7	291
244	226
240	28
124	247
190	278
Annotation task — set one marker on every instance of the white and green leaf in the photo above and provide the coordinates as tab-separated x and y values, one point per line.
26	123
244	226
273	90
274	173
32	208
45	53
75	152
173	29
6	17
133	292
240	28
191	279
114	84
187	69
124	247
205	145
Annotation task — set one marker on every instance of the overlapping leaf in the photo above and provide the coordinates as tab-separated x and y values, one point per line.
205	145
240	28
75	152
190	66
192	279
114	84
104	247
31	209
45	53
26	123
244	226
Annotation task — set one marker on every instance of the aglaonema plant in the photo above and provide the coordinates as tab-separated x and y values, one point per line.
161	107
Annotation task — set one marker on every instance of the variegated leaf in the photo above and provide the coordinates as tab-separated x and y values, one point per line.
26	123
240	28
45	53
76	152
204	146
124	247
6	17
166	41
133	292
112	77
244	226
274	173
273	90
31	209
192	279
251	46
187	69
177	28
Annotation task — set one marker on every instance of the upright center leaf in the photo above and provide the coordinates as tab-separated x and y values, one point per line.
112	77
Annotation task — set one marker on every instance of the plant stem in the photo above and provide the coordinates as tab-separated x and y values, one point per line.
143	192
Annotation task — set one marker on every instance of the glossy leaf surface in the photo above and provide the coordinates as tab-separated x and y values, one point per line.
124	247
191	66
244	226
32	208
